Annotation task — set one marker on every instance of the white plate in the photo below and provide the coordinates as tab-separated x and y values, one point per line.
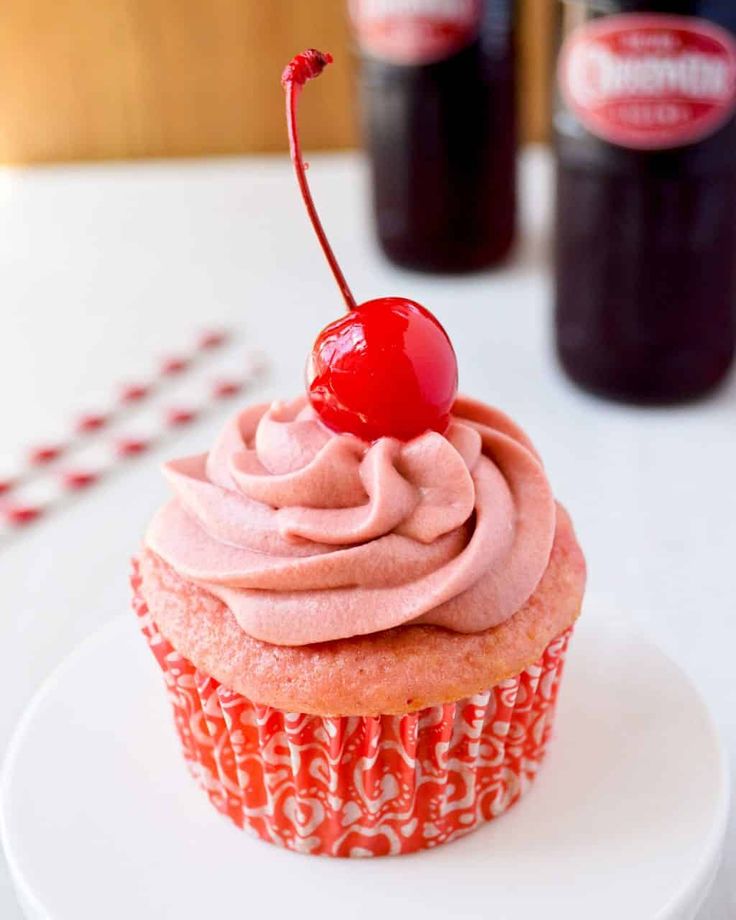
626	819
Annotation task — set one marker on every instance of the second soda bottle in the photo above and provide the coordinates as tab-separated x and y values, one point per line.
646	197
437	87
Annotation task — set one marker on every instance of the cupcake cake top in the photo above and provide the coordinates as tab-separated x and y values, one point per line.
308	535
380	499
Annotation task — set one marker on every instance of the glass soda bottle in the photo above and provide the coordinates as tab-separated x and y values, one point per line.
645	244
437	94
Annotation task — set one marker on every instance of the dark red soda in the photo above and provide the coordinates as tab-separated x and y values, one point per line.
440	133
645	237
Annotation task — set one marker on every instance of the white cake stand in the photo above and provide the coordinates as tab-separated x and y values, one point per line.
626	819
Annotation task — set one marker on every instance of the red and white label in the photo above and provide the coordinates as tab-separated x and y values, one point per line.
649	81
415	31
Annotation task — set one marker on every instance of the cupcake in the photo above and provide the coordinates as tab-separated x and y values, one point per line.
361	599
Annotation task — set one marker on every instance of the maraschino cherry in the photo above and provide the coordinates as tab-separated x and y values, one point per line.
387	368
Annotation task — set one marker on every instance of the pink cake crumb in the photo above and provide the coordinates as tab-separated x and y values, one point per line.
395	671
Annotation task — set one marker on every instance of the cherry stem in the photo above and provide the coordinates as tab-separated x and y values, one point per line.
304	67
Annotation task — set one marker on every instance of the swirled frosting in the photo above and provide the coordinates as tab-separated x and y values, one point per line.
308	535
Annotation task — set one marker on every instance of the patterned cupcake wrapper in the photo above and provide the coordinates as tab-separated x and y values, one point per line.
360	786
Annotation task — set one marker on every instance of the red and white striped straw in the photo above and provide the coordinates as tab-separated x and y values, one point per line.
100	443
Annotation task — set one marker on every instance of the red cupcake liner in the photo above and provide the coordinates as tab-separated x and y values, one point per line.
360	786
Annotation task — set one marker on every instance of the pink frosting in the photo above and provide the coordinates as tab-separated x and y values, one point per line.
308	535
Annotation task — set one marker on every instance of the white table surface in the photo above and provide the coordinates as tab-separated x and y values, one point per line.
103	267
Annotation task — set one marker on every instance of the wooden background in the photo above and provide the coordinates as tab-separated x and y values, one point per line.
98	79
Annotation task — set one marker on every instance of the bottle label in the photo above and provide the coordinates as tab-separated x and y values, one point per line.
415	31
649	81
